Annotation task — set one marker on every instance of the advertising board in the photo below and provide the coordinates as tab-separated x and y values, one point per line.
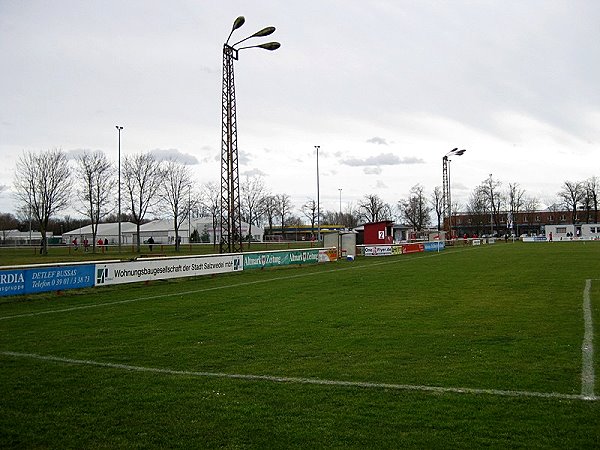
378	250
328	255
44	279
413	248
280	258
134	271
434	246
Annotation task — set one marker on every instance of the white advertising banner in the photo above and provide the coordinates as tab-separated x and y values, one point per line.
157	269
378	250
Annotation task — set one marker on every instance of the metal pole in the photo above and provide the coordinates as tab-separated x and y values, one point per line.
119	187
318	199
449	200
340	189
491	208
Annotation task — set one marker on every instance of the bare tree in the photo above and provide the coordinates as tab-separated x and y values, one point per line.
477	208
437	202
530	206
592	187
269	210
96	187
571	194
211	198
490	189
284	206
516	200
252	198
142	177
176	194
374	209
309	209
43	187
414	209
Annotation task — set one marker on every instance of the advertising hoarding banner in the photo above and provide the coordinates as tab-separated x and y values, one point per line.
434	246
44	279
134	271
328	254
378	250
413	248
280	258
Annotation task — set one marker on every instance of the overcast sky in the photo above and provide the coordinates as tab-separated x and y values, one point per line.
385	87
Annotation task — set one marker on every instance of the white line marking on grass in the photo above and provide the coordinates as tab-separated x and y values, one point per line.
299	380
587	349
215	288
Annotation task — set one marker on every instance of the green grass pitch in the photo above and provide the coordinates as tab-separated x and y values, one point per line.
465	348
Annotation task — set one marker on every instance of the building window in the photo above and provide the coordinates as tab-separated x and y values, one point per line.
550	218
563	218
561	230
537	218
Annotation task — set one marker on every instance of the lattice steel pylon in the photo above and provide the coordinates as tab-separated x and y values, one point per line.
231	215
230	203
445	191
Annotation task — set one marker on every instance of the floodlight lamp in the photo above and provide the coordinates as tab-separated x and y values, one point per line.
264	32
270	46
238	23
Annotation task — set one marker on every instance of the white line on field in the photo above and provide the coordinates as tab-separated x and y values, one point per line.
587	349
215	288
300	380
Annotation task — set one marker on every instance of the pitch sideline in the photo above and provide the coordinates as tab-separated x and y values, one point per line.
299	380
587	348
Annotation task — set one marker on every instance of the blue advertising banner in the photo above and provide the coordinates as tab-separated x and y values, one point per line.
434	246
43	279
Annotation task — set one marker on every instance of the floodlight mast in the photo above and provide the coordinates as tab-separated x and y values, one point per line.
446	194
230	204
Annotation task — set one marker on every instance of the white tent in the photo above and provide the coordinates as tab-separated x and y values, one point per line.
108	231
163	231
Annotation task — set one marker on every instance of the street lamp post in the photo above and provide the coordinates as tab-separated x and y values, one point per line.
446	195
340	189
230	204
318	199
119	128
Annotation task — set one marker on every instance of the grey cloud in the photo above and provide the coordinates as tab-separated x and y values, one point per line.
372	170
174	154
377	140
253	172
383	159
76	153
244	157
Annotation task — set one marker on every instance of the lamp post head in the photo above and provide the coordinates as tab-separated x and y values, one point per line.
454	151
261	33
264	32
270	46
238	23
